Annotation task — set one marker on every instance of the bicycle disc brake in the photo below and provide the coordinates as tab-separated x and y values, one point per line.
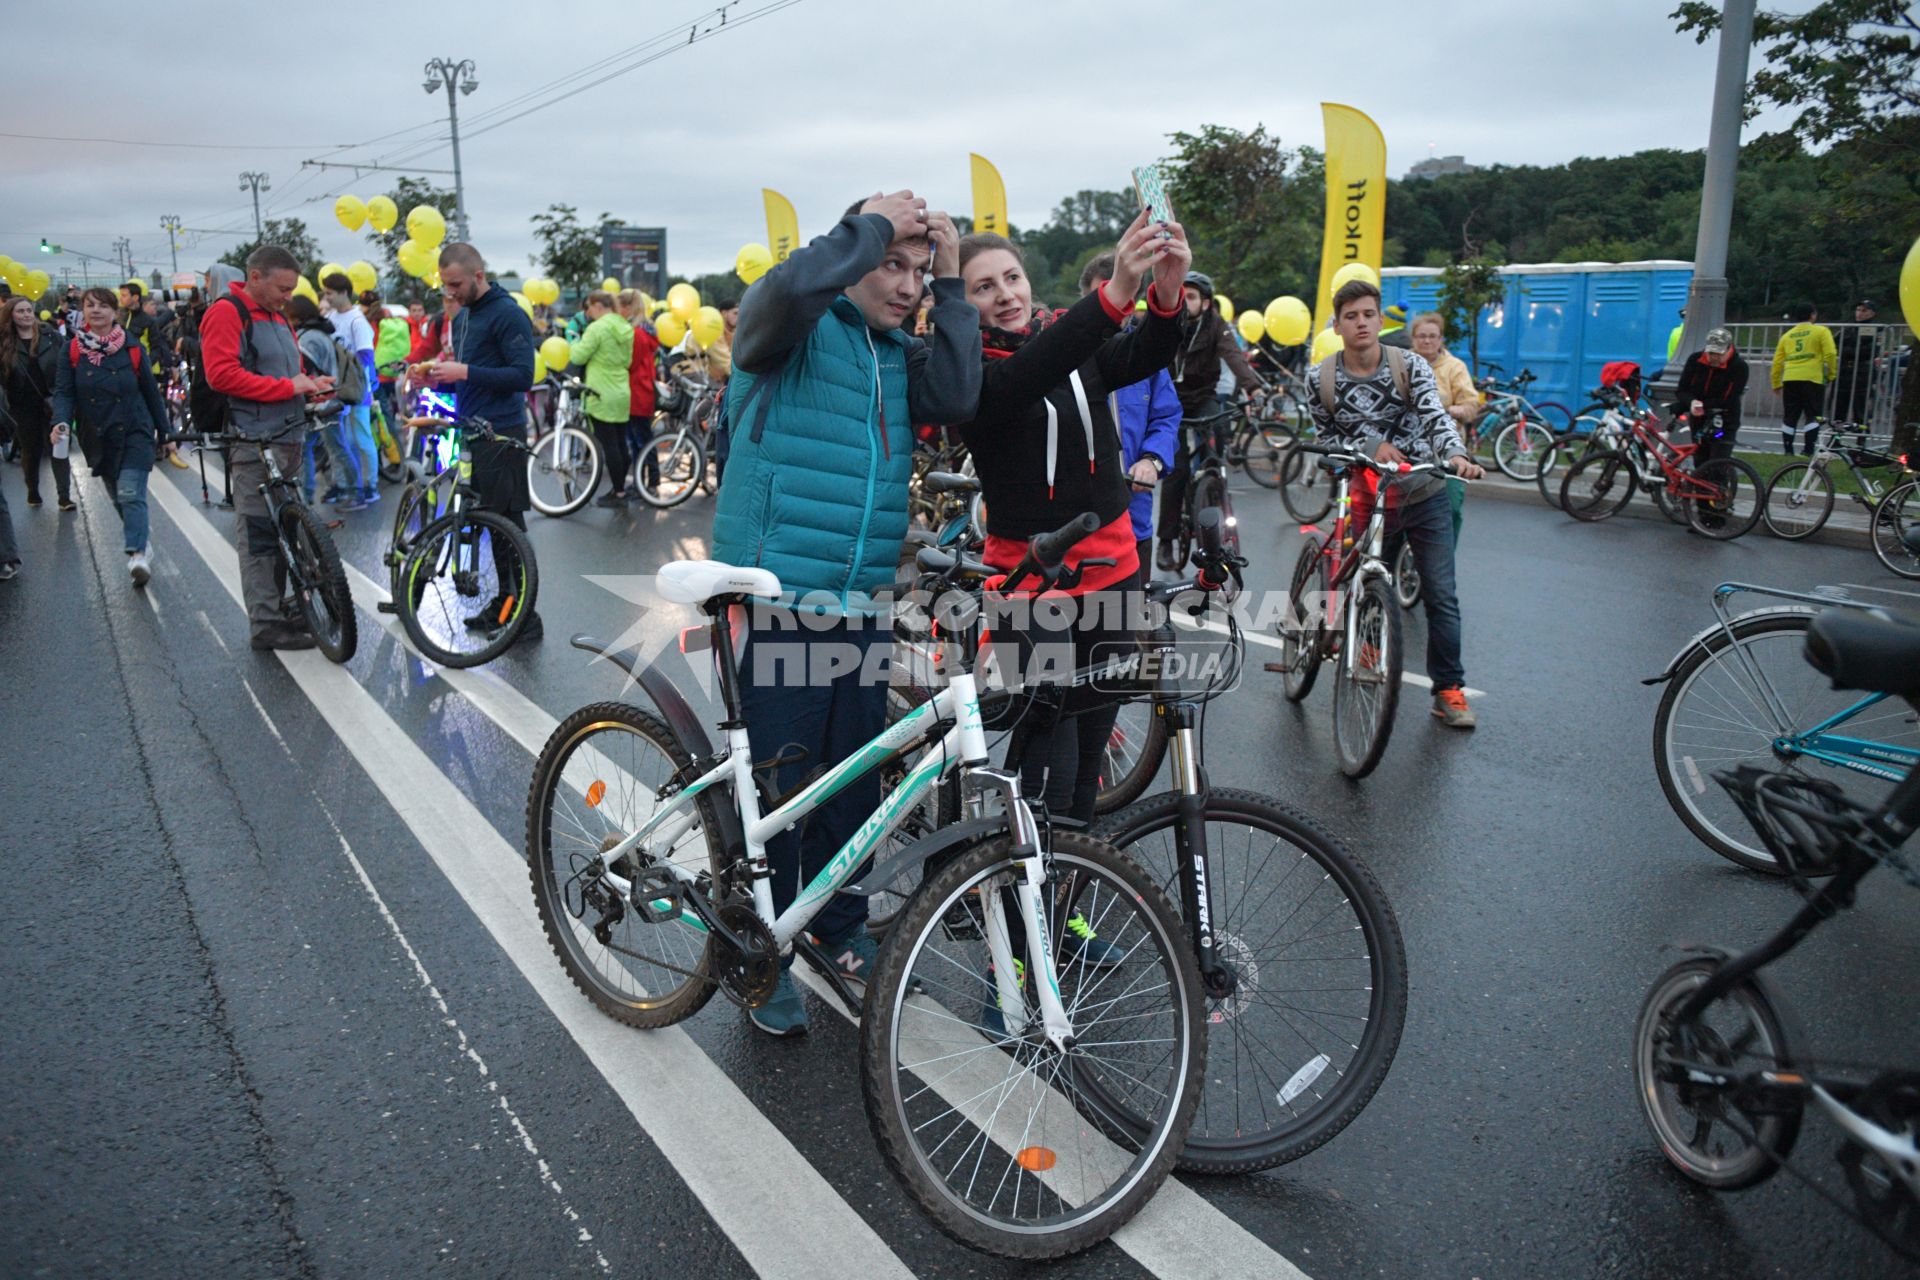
1884	1198
746	977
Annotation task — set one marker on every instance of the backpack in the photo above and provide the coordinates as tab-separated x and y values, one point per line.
1396	361
350	383
1624	374
134	353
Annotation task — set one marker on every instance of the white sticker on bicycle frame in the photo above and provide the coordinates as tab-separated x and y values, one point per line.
1300	1079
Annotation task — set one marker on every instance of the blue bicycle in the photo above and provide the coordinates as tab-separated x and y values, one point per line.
1740	693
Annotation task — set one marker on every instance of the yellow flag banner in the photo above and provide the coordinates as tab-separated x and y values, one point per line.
783	224
1356	199
989	197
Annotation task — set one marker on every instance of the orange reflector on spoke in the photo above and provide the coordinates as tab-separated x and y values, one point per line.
596	793
1037	1159
506	609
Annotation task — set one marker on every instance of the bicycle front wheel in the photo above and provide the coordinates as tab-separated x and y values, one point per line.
1598	485
1305	1019
563	470
1895	517
603	773
1799	500
1732	502
319	583
1009	1144
1366	683
1406	577
1522	448
1300	627
1262	447
670	467
1749	700
467	587
1306	489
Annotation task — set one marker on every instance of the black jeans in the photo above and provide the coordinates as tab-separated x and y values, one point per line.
1061	762
613	452
34	446
1801	400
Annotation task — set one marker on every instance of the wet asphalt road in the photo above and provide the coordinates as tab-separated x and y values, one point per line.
255	1028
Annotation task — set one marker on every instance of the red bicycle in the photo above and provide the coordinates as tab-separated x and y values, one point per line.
1720	498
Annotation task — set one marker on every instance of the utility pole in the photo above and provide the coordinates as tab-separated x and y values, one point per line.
258	182
1707	295
444	73
170	223
123	253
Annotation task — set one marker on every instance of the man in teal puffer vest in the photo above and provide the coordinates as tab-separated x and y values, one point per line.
825	392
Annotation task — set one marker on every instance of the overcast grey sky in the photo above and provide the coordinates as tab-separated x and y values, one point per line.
823	101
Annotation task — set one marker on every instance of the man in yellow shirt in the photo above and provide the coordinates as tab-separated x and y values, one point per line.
1803	363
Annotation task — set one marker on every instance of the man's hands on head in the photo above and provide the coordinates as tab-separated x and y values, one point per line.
906	211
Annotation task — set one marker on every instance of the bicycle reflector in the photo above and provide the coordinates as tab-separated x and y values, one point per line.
1036	1159
596	793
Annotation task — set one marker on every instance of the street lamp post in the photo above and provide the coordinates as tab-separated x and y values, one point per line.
170	223
123	249
1707	295
446	73
258	182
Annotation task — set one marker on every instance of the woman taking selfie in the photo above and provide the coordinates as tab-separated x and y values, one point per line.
104	388
1047	450
28	351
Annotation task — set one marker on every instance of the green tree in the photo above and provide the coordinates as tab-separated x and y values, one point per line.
290	234
570	250
1252	209
407	194
1467	288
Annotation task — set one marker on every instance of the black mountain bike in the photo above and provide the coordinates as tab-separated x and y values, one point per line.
315	576
1206	486
1723	1078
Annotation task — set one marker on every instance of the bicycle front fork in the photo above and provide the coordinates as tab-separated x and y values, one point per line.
1190	846
1030	895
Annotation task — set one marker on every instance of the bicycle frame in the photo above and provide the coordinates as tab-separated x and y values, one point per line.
958	703
1860	755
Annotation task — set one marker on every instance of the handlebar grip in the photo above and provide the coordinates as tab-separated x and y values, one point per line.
1049	549
1211	538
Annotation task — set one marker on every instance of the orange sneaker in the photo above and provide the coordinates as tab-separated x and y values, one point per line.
1451	706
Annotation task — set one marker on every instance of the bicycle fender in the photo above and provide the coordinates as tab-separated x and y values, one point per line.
1700	638
949	839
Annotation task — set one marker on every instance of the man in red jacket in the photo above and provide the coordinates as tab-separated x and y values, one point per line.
252	359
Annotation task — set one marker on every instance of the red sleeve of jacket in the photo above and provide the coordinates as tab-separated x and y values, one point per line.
220	353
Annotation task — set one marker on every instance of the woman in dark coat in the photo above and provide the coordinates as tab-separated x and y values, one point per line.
28	350
106	396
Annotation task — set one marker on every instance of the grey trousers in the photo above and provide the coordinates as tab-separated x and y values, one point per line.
9	549
261	574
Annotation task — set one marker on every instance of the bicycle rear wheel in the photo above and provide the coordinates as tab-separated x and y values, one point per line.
319	583
677	462
1739	497
1895	517
1135	748
1306	1032
467	587
1305	489
1406	577
1799	500
1008	1144
563	470
1262	446
1300	627
601	775
1366	680
1598	485
1522	448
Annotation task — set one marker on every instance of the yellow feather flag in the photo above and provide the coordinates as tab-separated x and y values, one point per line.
783	224
989	197
1356	199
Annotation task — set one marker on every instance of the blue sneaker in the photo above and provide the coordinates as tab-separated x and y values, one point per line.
369	495
853	954
991	1023
333	494
785	1014
1083	945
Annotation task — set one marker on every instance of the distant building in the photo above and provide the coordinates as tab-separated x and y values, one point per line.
1433	168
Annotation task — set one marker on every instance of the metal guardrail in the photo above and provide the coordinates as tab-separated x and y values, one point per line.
1878	381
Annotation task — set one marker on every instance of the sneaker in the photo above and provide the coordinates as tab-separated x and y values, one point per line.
369	496
1166	559
9	571
1451	706
488	619
139	568
333	494
351	502
67	504
611	500
278	635
853	955
33	500
990	1023
784	1013
1082	945
1367	670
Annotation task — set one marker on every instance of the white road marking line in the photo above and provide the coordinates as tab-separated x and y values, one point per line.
582	1236
1177	1236
1273	642
775	1207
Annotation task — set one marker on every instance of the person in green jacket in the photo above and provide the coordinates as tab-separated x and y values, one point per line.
1803	363
605	350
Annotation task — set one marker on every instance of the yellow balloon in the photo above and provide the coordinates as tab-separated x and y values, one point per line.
1910	287
684	301
1252	327
556	352
431	279
647	304
539	367
670	329
526	305
549	292
1325	345
37	282
708	324
1353	271
352	214
426	225
327	269
1288	321
1225	304
413	259
364	277
382	213
5	262
752	262
304	288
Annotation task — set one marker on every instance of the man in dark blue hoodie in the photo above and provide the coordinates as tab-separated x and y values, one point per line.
492	369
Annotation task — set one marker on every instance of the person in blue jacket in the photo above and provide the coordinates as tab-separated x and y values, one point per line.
1148	414
825	392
